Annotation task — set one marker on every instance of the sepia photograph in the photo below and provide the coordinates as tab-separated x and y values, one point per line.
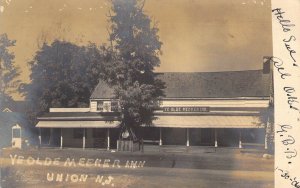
137	93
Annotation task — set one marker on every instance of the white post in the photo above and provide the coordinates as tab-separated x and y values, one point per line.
83	139
187	137
266	136
61	138
160	135
40	136
216	138
240	138
108	139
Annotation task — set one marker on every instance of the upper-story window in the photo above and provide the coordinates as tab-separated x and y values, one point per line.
115	106
104	106
107	106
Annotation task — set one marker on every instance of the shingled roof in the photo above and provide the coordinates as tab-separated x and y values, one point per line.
14	106
250	83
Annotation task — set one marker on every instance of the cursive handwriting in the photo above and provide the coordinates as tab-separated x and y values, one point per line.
285	24
285	131
287	141
292	100
291	153
286	175
283	128
291	51
286	27
278	64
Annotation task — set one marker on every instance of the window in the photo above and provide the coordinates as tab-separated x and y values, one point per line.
104	106
114	106
108	106
16	133
100	106
78	133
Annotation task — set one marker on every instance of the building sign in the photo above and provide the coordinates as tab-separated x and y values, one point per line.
185	109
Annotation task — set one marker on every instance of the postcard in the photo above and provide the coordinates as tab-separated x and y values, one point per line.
149	93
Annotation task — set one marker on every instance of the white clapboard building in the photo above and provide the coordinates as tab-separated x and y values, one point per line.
220	109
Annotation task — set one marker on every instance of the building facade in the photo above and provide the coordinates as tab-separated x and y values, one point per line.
219	109
12	113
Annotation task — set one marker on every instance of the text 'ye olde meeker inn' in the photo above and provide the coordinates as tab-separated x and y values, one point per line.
219	109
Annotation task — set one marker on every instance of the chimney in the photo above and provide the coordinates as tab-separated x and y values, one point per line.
266	64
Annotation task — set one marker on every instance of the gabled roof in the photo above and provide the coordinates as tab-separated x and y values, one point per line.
6	110
230	84
14	106
102	91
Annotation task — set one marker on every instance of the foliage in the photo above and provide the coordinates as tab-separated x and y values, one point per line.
8	71
136	48
63	75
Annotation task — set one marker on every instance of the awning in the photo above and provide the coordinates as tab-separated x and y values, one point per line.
78	124
80	116
208	121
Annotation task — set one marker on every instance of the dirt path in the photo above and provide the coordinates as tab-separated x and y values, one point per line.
77	168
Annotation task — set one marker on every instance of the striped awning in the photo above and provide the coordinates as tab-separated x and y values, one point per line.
208	121
78	124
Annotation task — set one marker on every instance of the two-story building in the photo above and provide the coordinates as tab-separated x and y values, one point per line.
199	109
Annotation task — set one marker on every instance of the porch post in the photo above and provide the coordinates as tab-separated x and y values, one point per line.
187	137
40	137
160	140
61	138
83	139
108	139
266	136
240	138
216	138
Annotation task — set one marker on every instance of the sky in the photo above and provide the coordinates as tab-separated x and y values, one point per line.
197	35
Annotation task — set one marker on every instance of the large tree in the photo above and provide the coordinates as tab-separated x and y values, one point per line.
8	70
63	75
136	48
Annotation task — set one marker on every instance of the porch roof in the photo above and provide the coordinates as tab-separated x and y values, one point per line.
209	121
78	124
80	116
